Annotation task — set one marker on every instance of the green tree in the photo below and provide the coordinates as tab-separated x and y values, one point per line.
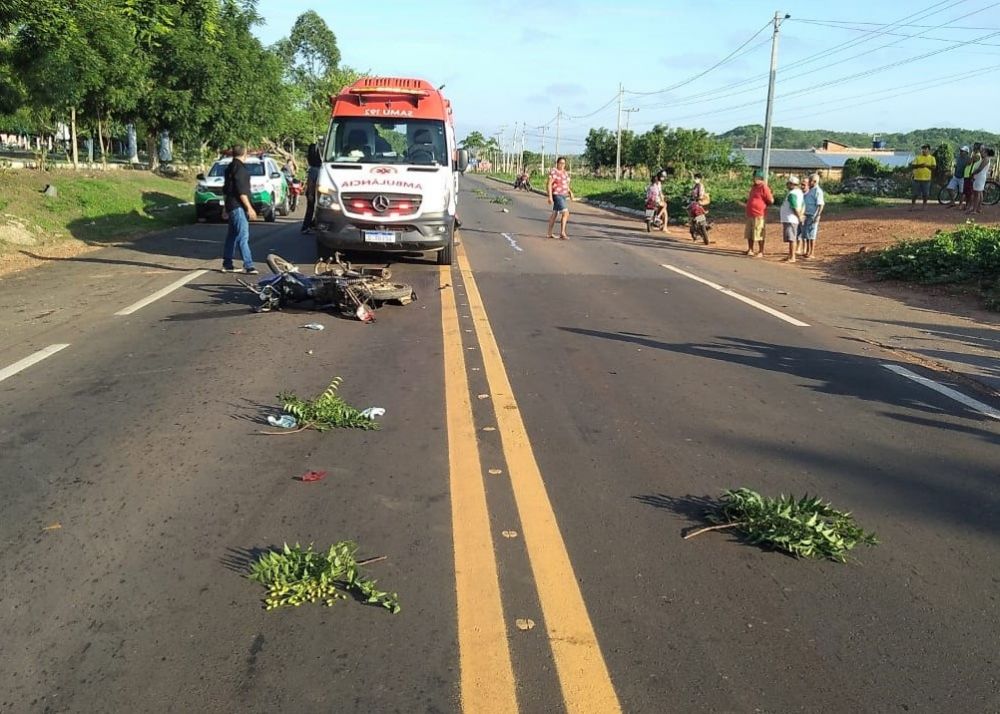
601	147
944	154
475	143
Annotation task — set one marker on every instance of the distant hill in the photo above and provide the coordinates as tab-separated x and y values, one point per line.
785	138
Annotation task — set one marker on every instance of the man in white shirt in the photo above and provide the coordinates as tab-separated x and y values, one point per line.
813	201
792	212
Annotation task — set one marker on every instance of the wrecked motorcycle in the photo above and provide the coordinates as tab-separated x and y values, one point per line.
335	284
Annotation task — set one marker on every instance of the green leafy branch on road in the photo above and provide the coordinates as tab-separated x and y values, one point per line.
325	412
295	575
806	527
492	198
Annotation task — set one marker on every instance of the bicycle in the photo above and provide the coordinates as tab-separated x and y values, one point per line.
991	194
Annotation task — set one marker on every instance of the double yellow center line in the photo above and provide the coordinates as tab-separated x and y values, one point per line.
487	680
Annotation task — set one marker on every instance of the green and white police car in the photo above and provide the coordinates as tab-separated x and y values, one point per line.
268	189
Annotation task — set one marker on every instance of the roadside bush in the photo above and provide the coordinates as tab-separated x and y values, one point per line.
859	200
969	255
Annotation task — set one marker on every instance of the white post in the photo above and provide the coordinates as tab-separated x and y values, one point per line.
618	152
558	117
765	158
543	148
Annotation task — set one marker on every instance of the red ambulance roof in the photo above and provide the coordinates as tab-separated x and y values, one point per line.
395	97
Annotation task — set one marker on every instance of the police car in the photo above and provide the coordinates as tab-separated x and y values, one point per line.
268	189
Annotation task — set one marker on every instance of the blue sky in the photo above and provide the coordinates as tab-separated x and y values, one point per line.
508	62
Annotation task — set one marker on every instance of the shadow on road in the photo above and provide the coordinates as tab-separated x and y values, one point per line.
832	373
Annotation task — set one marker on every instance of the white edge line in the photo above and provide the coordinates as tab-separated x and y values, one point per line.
30	360
753	303
161	293
984	409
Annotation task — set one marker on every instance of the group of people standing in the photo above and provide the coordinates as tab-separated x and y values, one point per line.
967	184
799	215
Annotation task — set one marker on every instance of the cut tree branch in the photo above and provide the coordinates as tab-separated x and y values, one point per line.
712	528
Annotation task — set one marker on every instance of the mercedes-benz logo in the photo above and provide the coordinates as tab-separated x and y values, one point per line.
381	202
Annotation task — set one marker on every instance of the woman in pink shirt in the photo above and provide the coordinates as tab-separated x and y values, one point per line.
559	191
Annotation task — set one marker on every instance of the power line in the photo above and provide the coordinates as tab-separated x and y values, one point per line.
756	87
721	62
596	111
923	84
851	22
841	80
819	55
897	34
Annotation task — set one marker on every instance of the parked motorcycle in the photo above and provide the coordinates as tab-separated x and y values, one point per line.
295	189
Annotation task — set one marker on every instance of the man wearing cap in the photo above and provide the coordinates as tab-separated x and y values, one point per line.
957	183
923	169
792	210
757	202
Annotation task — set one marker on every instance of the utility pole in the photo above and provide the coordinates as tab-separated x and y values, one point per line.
618	151
501	158
520	159
543	148
765	158
628	115
558	117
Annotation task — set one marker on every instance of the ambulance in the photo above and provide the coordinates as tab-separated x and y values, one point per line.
391	163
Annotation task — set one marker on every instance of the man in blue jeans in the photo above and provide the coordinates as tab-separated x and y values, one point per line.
239	211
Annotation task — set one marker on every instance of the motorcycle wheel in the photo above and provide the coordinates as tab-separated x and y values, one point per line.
383	292
649	226
278	265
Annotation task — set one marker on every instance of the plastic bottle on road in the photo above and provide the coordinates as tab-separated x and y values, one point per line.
314	326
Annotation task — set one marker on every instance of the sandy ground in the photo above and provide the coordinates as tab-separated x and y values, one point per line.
842	234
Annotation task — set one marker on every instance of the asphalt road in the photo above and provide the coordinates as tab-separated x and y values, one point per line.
558	413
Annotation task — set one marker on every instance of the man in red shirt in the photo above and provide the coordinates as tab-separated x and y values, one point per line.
758	201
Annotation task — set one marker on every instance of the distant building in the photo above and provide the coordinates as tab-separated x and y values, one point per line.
827	161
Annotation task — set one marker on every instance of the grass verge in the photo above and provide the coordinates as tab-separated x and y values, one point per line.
968	256
92	207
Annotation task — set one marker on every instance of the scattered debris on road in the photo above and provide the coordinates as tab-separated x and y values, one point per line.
295	575
806	527
310	476
524	624
314	326
285	421
373	412
53	527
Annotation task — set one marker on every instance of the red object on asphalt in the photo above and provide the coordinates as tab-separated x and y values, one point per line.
312	476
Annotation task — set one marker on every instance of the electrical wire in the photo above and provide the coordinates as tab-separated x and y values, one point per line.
732	55
821	54
897	34
757	87
596	111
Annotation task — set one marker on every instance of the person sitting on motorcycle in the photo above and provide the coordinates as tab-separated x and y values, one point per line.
698	221
523	181
655	199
